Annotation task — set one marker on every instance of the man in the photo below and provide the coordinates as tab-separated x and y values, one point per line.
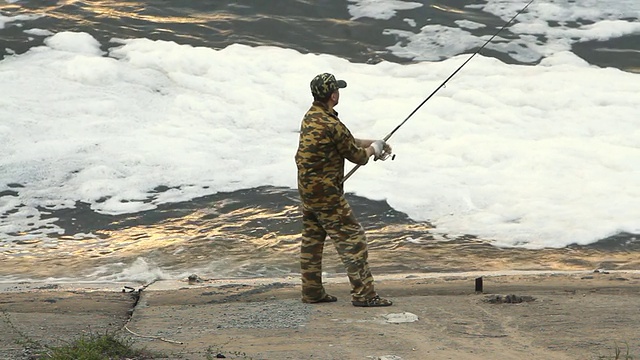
325	142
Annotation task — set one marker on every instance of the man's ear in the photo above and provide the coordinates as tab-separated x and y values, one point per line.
334	96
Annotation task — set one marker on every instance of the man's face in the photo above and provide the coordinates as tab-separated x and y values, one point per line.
335	97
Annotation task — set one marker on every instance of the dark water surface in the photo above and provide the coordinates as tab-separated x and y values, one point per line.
255	232
309	27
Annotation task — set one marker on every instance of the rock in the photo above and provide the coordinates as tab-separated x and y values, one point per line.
405	317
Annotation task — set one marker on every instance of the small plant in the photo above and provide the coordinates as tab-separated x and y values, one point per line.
92	347
97	347
618	353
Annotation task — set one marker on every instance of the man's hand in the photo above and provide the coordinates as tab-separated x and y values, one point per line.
381	150
379	147
386	151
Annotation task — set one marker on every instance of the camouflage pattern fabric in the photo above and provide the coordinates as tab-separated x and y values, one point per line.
351	244
324	144
324	84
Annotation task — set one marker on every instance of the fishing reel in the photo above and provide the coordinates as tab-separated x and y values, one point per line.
385	155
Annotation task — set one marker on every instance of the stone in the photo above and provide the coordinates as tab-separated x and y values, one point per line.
405	317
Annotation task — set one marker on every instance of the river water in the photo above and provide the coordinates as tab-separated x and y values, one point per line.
251	228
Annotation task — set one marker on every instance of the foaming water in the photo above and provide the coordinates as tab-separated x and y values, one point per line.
255	232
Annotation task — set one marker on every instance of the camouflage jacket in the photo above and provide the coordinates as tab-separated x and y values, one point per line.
324	144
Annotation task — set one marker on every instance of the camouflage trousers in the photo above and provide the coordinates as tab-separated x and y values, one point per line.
350	242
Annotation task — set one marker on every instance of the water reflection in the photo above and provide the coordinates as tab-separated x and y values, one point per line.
447	8
255	232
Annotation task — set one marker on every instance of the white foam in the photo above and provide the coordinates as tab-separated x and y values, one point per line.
140	271
527	155
383	10
433	42
466	24
38	32
4	20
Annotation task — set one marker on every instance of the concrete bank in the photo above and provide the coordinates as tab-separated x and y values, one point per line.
578	315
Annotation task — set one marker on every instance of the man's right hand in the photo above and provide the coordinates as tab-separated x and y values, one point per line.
378	147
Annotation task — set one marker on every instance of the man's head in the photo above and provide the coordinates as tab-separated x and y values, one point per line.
324	85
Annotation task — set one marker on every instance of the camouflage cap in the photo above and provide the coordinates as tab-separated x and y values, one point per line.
324	84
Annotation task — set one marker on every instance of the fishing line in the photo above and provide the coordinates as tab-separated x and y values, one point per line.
443	84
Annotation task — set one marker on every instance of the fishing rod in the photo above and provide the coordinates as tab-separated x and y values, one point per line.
443	84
